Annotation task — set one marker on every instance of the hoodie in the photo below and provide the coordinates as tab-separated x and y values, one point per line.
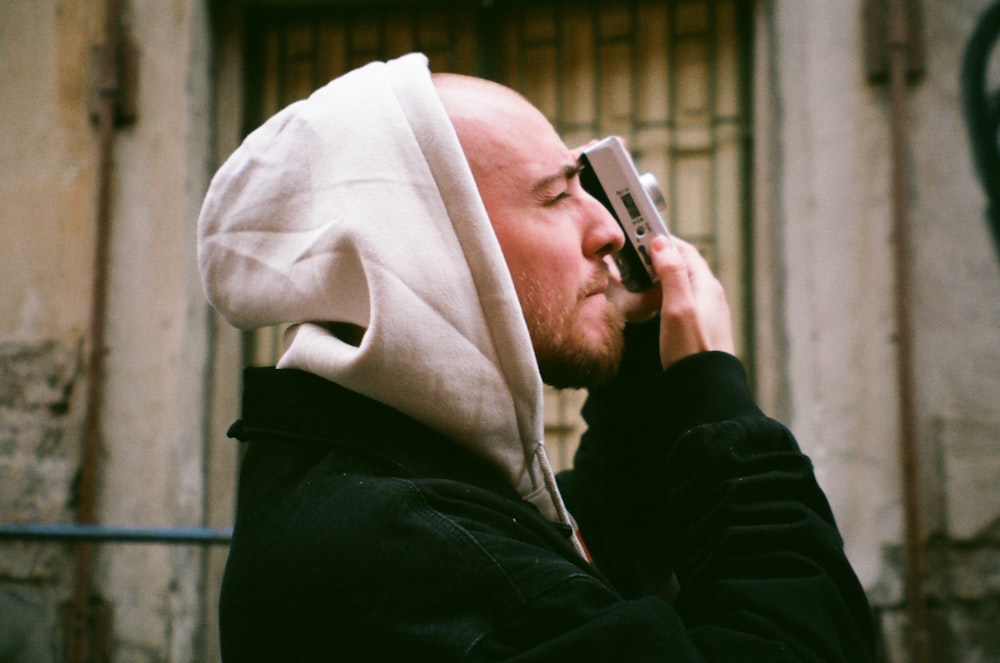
357	206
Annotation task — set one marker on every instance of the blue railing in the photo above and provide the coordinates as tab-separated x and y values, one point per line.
111	534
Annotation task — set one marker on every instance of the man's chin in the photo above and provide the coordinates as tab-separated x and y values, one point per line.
563	376
582	363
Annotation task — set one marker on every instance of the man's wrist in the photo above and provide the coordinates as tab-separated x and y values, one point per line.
705	388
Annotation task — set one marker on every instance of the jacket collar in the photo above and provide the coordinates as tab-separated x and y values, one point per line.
302	407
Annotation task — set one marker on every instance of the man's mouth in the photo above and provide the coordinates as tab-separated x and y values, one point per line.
597	285
599	290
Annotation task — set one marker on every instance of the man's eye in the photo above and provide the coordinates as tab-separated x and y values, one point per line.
558	198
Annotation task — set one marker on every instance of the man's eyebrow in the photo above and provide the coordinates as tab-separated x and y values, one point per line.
567	172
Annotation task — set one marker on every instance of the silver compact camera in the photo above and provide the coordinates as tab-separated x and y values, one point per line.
608	174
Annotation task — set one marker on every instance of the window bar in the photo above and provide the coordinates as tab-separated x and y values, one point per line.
598	83
634	114
711	45
559	119
670	52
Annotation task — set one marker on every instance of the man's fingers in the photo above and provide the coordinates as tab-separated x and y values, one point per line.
710	299
694	316
672	269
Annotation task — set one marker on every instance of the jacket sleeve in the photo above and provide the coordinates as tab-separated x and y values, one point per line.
681	482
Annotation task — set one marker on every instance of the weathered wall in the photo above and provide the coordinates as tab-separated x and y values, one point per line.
38	460
823	222
47	152
957	317
828	332
154	463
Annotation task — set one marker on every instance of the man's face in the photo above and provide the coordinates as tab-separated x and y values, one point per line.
555	237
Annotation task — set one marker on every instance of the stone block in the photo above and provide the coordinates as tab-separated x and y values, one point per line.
38	459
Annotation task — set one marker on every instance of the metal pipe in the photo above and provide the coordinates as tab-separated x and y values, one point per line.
111	534
898	47
87	490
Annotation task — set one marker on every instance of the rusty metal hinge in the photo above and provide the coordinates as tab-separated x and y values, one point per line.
879	38
122	87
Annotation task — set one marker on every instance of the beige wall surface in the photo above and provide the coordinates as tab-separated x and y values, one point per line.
47	153
827	166
827	331
152	461
834	216
956	288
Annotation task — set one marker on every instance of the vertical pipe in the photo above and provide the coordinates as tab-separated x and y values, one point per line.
898	48
79	640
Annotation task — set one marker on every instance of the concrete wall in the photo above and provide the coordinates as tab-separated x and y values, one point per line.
47	152
827	334
152	463
957	295
828	331
159	399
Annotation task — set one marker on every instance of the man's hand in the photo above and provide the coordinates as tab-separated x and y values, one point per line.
694	315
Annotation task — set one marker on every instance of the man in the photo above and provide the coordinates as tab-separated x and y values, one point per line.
431	246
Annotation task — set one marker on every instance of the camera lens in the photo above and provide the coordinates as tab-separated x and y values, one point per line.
652	187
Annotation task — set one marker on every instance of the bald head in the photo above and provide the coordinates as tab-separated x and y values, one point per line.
468	99
489	118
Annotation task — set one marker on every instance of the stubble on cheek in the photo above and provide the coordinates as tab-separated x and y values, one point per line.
567	358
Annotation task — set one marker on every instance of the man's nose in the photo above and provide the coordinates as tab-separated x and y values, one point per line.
602	236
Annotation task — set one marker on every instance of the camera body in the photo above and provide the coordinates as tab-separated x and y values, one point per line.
608	174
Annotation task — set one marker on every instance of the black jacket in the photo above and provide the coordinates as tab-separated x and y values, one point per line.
362	535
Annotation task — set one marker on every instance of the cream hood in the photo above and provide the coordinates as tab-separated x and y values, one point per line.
357	205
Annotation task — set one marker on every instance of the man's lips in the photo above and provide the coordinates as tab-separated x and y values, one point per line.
599	289
597	285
